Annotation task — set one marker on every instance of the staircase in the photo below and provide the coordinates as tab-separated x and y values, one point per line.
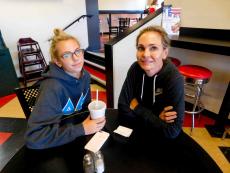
95	65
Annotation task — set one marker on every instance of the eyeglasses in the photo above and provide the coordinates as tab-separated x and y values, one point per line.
77	52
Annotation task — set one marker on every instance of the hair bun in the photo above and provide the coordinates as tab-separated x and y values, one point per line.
58	31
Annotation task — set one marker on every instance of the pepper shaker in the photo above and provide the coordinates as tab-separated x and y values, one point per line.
88	163
99	162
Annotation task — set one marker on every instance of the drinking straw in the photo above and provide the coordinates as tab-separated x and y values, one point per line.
97	97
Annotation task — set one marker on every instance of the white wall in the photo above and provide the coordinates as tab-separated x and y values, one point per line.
37	19
122	4
125	4
204	13
124	54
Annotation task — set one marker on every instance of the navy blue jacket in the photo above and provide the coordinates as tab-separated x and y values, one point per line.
58	98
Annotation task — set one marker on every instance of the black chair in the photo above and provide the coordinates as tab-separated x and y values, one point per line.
124	24
112	29
27	98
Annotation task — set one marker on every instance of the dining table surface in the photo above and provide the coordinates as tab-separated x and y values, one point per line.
134	154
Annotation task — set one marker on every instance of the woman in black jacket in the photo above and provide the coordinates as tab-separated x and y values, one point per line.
152	95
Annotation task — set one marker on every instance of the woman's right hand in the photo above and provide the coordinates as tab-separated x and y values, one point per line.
92	126
168	115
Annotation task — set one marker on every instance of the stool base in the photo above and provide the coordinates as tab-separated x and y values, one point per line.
198	107
195	76
227	131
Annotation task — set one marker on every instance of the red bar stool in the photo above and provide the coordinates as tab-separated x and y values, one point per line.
175	61
195	76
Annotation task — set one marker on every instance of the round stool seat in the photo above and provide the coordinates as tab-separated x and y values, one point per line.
195	72
175	61
195	76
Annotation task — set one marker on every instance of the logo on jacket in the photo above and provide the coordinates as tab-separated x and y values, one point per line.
69	107
159	91
81	101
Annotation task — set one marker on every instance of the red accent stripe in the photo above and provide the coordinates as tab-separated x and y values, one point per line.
96	73
4	136
6	99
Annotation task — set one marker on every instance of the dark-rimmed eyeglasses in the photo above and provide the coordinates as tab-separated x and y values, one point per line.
77	52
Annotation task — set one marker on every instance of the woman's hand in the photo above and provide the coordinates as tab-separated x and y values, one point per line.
92	126
168	115
133	104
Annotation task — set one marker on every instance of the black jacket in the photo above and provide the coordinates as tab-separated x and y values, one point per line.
153	94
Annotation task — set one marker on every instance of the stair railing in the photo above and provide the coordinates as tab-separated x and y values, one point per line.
77	20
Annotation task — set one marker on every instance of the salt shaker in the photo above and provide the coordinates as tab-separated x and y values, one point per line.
99	162
88	164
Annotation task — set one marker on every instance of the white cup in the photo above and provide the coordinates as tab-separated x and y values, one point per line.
97	109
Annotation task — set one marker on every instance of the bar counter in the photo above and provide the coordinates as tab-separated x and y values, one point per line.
221	47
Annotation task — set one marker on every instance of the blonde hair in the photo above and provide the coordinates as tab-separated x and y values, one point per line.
164	36
154	2
59	35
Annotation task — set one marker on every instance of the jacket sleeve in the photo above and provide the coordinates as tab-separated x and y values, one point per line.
174	97
126	116
44	125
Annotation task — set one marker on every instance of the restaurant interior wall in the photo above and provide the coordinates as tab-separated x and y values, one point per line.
37	19
122	4
203	13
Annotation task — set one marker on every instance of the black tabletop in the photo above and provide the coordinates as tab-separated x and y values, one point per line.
16	127
137	154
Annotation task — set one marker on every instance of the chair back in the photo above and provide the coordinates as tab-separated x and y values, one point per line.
124	23
112	29
27	97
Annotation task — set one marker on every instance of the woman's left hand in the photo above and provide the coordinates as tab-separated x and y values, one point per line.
133	103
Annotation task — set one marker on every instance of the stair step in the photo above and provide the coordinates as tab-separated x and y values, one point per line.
95	64
103	82
94	58
96	75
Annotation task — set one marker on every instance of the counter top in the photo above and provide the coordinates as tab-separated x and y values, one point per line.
221	47
206	40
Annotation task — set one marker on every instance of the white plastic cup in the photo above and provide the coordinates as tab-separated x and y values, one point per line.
97	109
